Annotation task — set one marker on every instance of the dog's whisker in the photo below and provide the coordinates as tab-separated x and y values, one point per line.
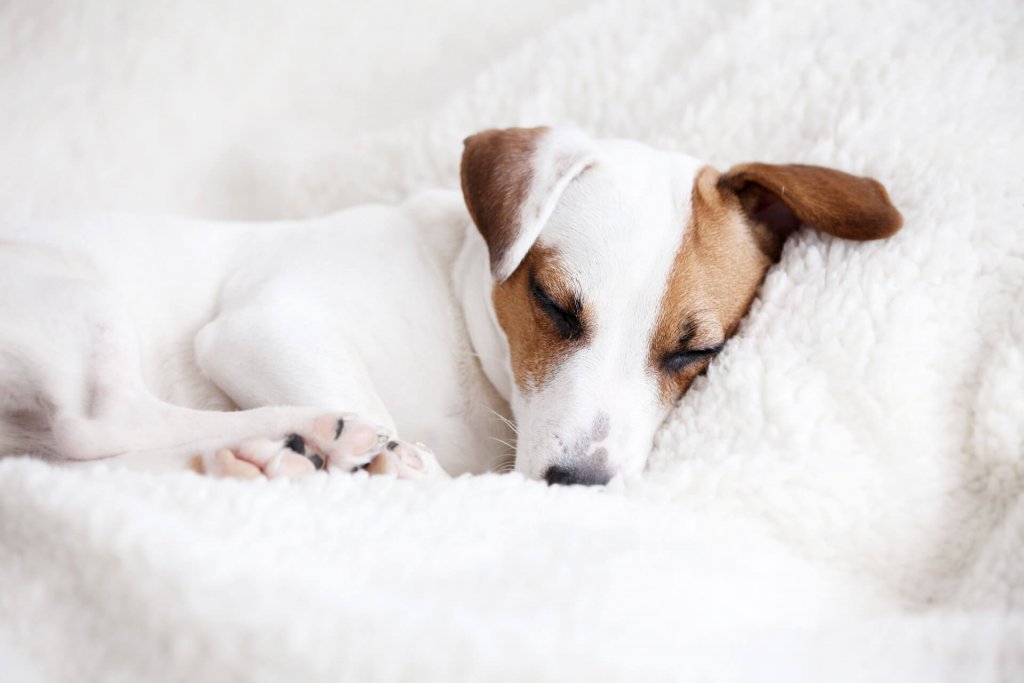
509	423
504	443
505	467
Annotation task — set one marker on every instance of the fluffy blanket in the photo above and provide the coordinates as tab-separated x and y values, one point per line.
841	498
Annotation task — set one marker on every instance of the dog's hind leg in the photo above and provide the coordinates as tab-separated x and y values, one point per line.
137	430
279	441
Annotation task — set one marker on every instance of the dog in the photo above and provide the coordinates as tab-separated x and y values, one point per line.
580	283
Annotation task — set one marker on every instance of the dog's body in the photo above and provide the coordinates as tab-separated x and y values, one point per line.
355	311
598	280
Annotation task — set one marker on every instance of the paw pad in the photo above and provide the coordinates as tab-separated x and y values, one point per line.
330	442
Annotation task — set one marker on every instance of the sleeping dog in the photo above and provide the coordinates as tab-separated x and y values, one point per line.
581	283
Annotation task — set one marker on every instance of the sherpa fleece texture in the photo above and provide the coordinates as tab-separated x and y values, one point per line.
839	499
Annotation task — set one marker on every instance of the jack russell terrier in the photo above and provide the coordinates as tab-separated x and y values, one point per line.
589	283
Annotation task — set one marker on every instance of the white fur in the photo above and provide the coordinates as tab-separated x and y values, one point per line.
353	312
839	500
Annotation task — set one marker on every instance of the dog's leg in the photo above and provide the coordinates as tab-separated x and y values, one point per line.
71	388
272	442
127	425
263	350
257	357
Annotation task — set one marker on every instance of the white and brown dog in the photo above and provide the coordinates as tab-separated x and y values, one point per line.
600	278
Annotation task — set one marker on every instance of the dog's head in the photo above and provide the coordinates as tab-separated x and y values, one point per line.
620	271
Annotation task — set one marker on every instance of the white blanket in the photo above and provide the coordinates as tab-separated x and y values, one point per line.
841	498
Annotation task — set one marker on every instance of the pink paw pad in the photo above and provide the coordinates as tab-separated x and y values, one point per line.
337	443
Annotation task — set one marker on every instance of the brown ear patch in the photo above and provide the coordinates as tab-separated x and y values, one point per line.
496	175
783	196
717	270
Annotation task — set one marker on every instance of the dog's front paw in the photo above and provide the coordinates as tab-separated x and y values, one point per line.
337	443
405	461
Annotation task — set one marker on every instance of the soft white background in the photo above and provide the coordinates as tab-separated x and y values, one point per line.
213	108
840	499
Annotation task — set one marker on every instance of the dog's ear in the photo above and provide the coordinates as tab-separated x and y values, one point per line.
779	198
512	179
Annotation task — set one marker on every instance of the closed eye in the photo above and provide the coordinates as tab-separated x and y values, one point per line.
680	360
566	320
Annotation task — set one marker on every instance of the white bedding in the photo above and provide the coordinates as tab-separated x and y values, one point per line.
841	498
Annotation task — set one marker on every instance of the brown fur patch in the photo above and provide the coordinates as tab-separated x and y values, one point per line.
716	273
782	196
496	175
739	223
535	344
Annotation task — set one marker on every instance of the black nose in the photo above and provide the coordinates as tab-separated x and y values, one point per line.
586	475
